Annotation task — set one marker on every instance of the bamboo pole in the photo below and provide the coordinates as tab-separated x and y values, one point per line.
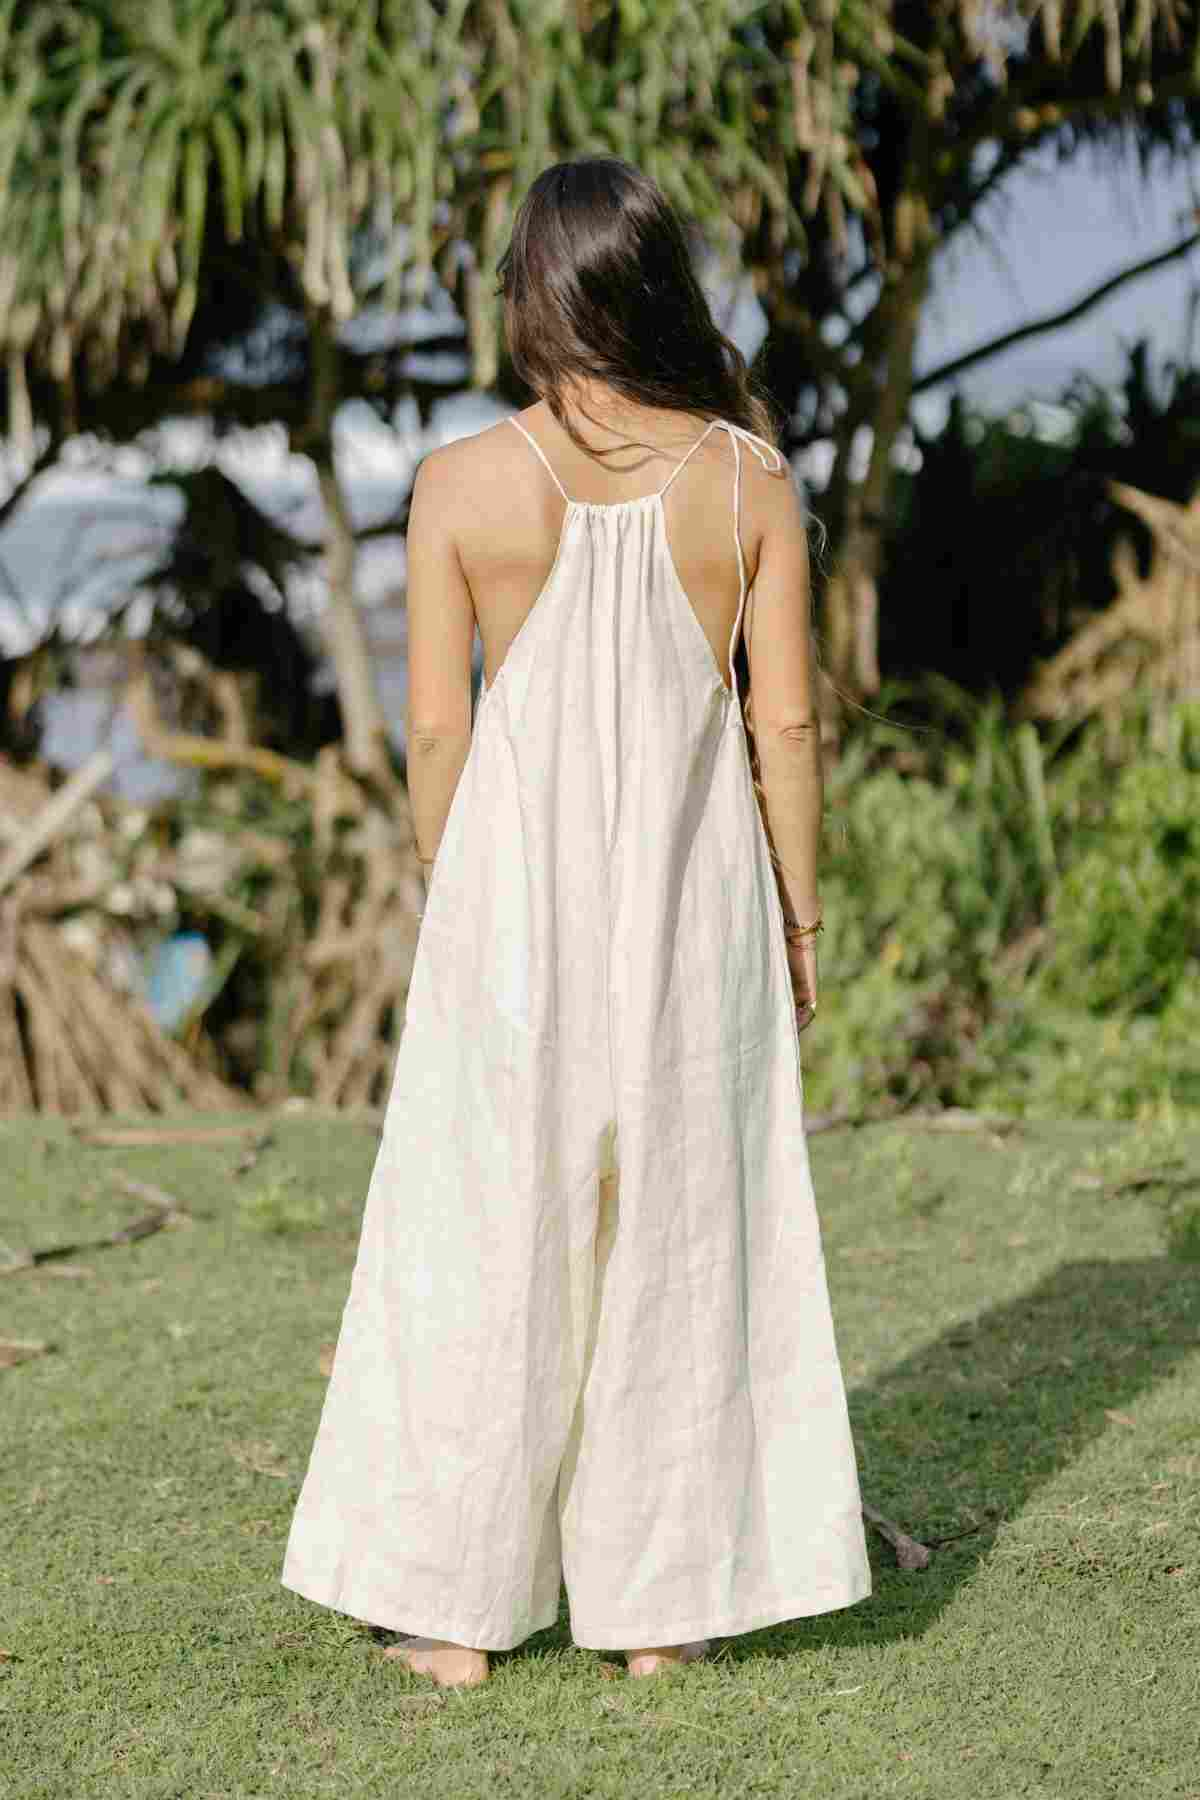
75	792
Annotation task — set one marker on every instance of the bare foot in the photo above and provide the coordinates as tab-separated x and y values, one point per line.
664	1656
451	1665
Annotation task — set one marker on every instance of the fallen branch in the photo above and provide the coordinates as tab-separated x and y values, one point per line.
829	1121
909	1553
75	792
19	1350
960	1118
166	1207
1156	1176
953	1536
167	1211
251	1154
122	1136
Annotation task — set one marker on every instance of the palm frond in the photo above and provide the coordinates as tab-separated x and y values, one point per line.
131	130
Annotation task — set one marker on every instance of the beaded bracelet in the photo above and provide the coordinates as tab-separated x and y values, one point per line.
793	931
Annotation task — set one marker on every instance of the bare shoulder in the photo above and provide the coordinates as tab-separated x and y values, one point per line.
483	458
770	490
460	477
773	511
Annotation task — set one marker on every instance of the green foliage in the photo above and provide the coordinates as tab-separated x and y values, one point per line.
1181	1229
1057	1061
141	138
1126	918
282	1205
1012	923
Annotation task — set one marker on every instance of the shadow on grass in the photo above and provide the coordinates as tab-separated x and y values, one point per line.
967	1429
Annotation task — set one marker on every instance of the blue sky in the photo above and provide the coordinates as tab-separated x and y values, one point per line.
1054	234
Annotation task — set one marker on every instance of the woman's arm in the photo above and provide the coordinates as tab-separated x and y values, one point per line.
441	630
783	702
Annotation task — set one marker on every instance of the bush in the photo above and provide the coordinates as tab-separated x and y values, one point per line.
1126	916
1012	920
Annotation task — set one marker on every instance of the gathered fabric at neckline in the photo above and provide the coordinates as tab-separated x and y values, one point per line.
613	505
773	457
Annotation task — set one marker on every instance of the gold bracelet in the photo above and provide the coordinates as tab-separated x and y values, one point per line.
793	929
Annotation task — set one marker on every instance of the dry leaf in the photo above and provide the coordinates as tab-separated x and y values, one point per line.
263	1459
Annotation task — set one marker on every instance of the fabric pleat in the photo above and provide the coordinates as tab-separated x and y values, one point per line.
588	1335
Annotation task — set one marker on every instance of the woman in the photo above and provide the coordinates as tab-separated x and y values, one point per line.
588	1335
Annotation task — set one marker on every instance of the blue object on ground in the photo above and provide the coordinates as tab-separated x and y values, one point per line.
179	968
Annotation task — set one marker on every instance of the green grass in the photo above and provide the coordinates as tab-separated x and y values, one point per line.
1023	1363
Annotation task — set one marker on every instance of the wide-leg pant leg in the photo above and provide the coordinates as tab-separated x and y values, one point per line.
430	1500
711	1488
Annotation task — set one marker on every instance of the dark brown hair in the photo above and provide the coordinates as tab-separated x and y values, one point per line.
598	284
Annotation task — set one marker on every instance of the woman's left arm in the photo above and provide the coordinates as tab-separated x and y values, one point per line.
441	630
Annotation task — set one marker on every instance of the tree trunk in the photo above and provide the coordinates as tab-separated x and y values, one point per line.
852	597
364	726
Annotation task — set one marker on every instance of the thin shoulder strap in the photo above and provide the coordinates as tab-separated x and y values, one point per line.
526	434
683	459
758	445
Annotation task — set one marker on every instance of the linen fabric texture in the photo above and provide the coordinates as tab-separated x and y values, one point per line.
588	1336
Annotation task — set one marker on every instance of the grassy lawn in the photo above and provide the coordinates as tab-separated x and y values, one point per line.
1023	1362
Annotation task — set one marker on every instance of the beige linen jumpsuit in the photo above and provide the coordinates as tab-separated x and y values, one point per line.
588	1335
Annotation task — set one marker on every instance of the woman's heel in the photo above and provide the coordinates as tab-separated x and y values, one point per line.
654	1660
451	1665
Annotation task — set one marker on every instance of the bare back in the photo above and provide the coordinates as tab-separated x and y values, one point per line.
507	534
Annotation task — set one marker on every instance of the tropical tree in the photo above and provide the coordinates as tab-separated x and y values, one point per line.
1016	541
181	179
947	101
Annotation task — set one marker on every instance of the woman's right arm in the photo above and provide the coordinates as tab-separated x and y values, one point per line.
787	735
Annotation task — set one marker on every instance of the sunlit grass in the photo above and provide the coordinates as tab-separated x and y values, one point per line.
1023	1365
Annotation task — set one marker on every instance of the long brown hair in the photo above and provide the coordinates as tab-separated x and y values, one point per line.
598	284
